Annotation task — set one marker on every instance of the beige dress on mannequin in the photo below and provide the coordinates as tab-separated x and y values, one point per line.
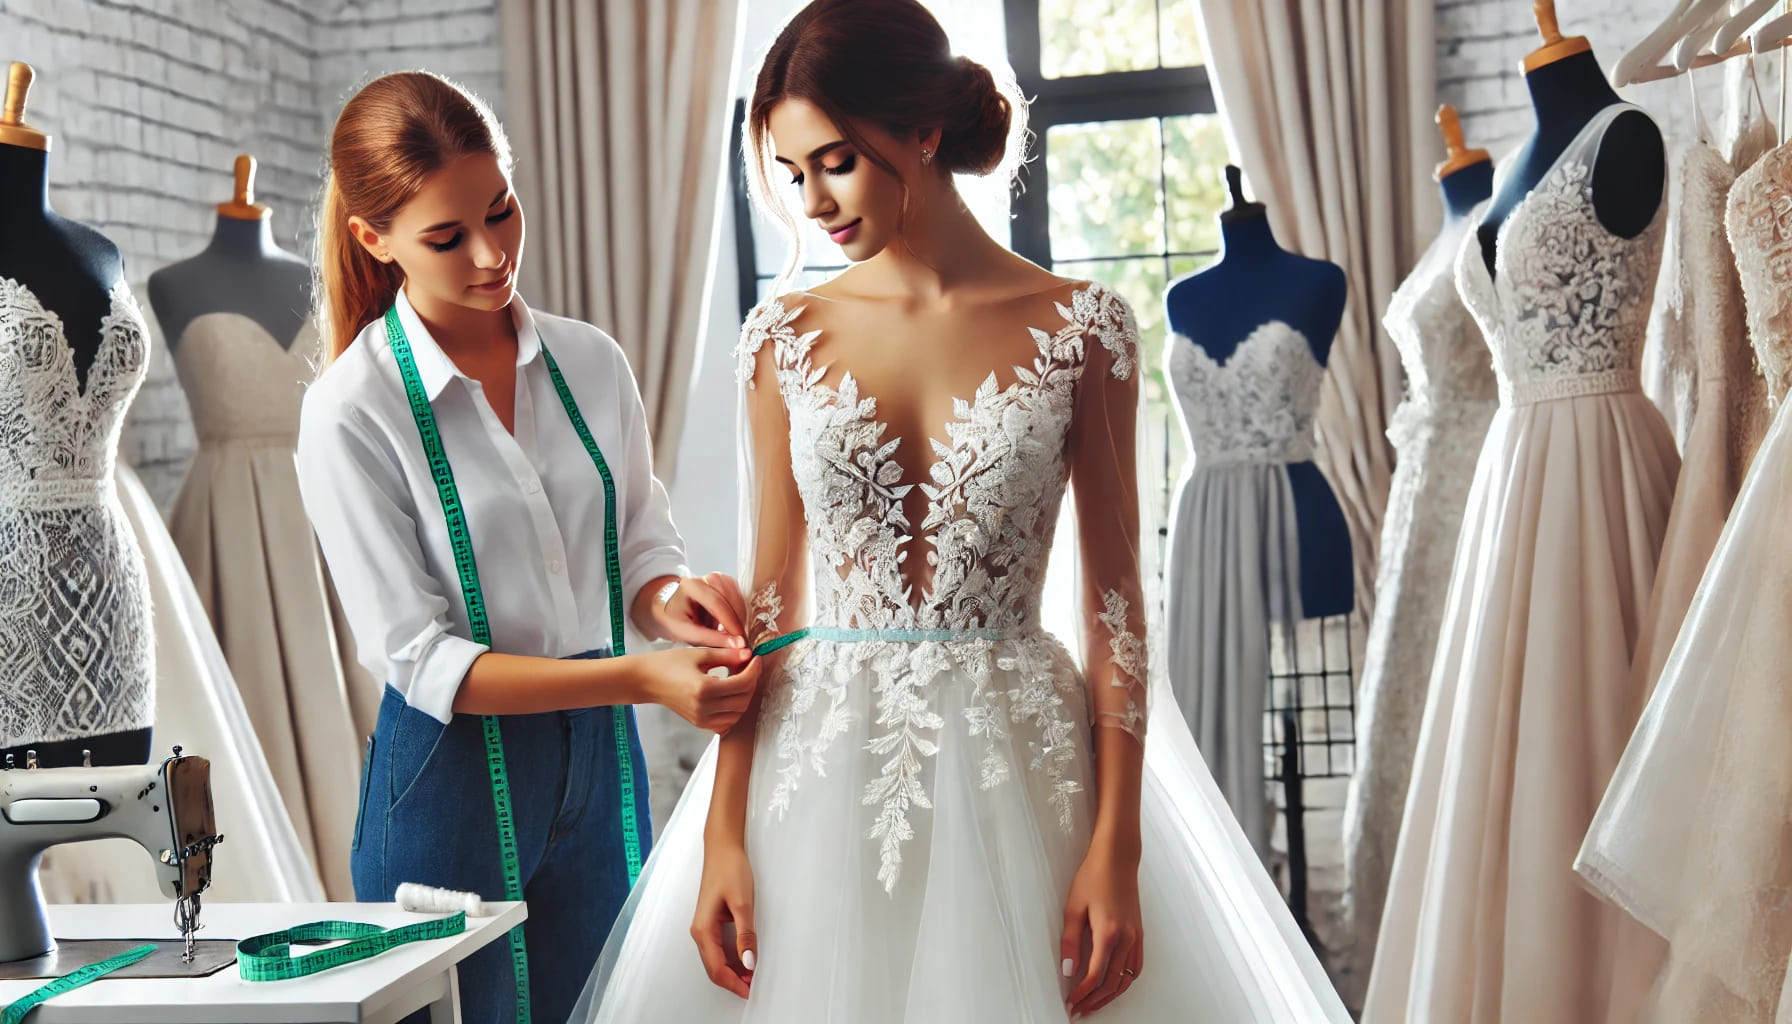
242	530
1694	837
1530	700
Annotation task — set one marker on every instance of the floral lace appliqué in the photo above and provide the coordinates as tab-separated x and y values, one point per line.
993	491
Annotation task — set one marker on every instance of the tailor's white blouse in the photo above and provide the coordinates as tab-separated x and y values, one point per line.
534	502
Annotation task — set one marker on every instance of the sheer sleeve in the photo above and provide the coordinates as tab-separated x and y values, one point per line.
773	546
1104	478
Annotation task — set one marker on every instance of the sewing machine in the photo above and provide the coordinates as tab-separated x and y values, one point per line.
166	808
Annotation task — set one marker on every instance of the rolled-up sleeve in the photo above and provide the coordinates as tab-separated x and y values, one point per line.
355	496
651	545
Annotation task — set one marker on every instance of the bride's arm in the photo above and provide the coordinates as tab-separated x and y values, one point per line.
1102	934
775	585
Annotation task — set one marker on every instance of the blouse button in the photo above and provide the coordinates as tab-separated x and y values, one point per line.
532	487
555	567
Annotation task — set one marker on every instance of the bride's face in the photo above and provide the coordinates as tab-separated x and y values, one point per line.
857	203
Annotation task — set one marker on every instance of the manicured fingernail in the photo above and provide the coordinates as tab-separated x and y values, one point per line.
1069	969
748	959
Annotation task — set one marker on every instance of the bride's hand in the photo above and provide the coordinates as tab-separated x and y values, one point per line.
726	894
1103	945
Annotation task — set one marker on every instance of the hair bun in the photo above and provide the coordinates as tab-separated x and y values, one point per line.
975	139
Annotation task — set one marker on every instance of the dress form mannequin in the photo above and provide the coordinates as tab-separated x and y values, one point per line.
1465	178
241	271
70	269
1567	89
1256	281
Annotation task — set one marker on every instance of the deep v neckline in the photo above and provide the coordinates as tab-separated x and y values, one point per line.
120	308
1555	166
988	395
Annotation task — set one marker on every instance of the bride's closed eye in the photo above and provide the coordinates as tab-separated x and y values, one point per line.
843	167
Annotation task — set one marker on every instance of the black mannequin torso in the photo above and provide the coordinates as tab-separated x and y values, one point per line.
69	267
1256	281
1628	174
241	271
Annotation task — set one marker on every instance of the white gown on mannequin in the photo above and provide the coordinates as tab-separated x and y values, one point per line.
919	806
86	558
1530	700
1437	431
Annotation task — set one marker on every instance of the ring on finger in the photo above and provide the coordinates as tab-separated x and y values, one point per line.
1127	972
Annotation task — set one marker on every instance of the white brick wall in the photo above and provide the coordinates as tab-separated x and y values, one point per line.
150	101
1481	42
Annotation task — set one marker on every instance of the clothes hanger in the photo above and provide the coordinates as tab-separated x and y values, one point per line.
1646	56
1772	35
1731	31
1695	40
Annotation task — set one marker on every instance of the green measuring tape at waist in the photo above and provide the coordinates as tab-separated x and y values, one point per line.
461	540
15	1012
898	636
269	957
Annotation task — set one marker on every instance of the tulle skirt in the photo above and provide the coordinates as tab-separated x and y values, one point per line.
940	898
1694	837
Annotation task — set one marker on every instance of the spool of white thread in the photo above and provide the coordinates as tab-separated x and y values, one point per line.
431	900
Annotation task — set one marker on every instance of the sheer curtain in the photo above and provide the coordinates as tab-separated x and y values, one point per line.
1328	106
619	114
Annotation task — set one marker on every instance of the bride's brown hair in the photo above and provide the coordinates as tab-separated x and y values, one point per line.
390	137
889	63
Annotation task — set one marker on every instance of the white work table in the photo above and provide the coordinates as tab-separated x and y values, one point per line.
380	990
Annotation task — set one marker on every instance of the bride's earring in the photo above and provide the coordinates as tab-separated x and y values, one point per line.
926	157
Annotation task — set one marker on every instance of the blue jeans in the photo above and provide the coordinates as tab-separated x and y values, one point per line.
427	816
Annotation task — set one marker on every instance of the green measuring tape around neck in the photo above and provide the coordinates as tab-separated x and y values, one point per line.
269	957
15	1012
461	541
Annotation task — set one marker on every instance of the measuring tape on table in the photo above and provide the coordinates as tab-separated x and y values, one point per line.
269	957
15	1012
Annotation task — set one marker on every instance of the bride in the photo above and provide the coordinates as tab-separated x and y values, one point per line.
931	813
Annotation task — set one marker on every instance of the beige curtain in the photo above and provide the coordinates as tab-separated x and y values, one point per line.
618	111
1328	106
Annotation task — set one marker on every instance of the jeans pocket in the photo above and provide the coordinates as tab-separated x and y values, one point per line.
415	739
361	808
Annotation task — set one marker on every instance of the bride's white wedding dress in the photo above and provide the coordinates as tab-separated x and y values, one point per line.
922	786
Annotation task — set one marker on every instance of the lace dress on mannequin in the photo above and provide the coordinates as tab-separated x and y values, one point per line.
74	612
1530	702
1693	838
1234	542
1437	432
920	790
242	531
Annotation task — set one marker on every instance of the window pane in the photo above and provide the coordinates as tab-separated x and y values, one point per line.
1090	37
1195	159
1106	197
1179	25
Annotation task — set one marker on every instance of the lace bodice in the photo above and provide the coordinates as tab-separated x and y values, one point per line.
1257	406
992	493
1566	310
1759	219
57	443
1445	357
241	384
74	634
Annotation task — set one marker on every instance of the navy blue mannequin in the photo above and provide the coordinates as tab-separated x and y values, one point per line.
1463	188
1217	307
1631	167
